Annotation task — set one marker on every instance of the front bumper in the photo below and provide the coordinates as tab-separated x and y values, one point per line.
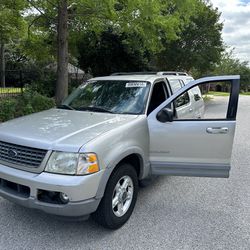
81	191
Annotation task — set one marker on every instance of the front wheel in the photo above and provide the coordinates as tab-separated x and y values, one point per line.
119	198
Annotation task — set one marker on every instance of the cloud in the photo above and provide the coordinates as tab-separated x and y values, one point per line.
235	15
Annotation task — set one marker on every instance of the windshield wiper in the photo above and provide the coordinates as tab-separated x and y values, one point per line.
65	106
97	109
129	113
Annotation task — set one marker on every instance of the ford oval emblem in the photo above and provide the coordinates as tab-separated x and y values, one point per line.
12	153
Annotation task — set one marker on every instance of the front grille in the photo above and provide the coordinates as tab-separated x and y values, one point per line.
21	155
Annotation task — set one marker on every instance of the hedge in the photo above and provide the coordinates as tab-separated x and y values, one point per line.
27	103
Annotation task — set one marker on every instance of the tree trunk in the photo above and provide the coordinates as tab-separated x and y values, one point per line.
2	65
62	53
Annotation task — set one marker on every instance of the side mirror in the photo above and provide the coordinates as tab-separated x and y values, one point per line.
165	115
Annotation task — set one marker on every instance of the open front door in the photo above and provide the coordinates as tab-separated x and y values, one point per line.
201	145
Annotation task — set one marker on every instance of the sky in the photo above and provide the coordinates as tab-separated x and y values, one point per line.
235	15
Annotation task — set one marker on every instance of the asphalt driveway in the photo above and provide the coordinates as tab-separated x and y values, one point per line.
172	213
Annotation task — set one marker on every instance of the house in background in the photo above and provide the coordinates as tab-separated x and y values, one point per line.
75	73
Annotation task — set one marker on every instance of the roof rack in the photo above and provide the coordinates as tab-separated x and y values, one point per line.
171	73
166	73
134	73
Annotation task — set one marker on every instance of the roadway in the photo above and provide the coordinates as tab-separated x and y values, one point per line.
171	213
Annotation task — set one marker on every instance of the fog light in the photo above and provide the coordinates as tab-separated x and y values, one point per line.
64	198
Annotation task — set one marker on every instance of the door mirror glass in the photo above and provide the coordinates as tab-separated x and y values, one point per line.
165	115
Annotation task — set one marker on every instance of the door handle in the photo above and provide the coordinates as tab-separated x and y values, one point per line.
217	130
190	110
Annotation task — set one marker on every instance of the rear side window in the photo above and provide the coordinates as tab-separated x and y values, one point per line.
175	85
197	93
182	100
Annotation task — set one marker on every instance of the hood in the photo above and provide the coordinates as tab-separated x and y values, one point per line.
58	129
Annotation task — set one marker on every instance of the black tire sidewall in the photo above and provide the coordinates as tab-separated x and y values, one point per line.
112	220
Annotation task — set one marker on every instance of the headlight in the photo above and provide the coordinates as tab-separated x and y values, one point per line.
72	163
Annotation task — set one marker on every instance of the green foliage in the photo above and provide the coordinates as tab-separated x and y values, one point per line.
245	93
31	102
190	40
39	47
110	53
153	21
119	35
200	44
27	103
44	83
215	93
7	109
12	23
145	24
229	65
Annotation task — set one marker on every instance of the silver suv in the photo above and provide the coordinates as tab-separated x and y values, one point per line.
88	155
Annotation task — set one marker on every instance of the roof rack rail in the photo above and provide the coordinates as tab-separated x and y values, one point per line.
171	73
134	73
165	73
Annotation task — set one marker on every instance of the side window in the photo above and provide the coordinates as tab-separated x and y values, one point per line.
175	85
182	100
197	93
207	101
159	95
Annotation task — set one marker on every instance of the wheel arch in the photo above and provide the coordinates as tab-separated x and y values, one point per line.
132	157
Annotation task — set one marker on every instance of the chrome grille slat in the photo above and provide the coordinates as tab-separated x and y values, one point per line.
26	156
20	156
22	162
25	149
22	159
22	153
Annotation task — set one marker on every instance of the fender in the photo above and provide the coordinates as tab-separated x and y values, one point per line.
144	168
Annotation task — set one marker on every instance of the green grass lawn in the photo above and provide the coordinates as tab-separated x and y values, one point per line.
215	93
10	90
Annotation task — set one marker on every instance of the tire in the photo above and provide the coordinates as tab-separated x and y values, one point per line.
110	215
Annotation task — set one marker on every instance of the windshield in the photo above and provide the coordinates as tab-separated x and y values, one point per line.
120	97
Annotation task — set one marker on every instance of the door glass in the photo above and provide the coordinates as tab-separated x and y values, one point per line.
175	85
207	101
182	100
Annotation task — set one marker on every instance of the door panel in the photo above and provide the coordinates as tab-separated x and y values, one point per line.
194	147
187	147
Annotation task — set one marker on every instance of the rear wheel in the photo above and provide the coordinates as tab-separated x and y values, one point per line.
119	198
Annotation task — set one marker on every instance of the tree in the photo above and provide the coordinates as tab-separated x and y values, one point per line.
147	21
11	27
109	53
139	32
62	52
199	45
229	65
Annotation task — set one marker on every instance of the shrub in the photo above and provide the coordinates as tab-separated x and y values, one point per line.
7	109
44	84
27	103
39	103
